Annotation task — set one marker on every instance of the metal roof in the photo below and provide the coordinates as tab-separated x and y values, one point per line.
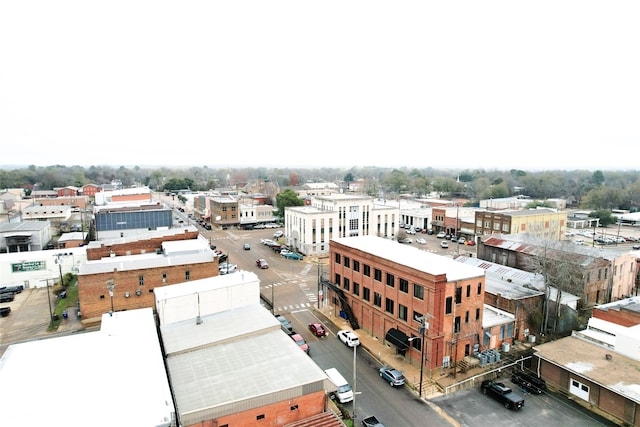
116	377
411	257
234	361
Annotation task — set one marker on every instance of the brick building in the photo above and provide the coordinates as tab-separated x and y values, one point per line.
390	290
122	277
548	224
594	270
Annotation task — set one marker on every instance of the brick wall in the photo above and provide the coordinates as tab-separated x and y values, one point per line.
277	414
620	317
137	247
94	295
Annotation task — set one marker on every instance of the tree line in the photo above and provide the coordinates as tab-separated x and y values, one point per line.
587	189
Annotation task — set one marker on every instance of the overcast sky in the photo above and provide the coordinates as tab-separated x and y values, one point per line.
500	84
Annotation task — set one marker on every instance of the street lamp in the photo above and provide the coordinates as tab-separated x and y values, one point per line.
111	286
50	310
423	327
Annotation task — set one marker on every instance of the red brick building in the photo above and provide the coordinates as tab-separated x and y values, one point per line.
123	276
388	290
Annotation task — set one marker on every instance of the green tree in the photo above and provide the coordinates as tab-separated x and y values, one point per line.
285	199
597	178
605	216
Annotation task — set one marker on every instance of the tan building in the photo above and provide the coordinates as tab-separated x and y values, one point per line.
390	290
545	224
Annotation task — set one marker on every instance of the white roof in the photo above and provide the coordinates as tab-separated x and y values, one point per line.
114	376
412	257
492	316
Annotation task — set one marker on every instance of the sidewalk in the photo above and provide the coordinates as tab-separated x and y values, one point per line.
433	383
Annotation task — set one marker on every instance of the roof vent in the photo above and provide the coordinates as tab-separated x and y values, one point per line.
608	356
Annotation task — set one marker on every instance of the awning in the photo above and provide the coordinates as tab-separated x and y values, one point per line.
487	334
397	338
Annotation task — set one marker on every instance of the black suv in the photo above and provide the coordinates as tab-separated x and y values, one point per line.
6	297
529	381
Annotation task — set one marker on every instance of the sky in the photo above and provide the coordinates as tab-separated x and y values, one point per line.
496	85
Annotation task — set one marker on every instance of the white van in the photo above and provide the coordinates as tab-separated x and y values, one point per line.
343	393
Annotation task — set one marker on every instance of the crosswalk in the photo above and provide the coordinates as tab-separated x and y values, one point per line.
310	294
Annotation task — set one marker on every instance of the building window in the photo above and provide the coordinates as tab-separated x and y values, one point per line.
347	262
367	270
260	417
346	284
456	325
377	275
479	288
477	314
501	332
366	294
187	275
141	280
466	317
356	265
338	279
449	305
505	227
486	338
402	312
459	295
164	277
417	317
509	330
356	288
337	258
294	408
391	280
377	299
388	305
404	285
468	291
418	291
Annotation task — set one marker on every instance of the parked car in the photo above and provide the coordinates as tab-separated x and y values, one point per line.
411	231
286	325
405	240
4	311
259	227
635	247
6	297
262	263
348	338
503	394
421	241
278	234
301	342
246	247
441	235
317	329
461	240
371	421
292	255
470	242
392	376
529	381
444	244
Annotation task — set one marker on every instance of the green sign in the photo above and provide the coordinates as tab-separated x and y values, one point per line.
29	266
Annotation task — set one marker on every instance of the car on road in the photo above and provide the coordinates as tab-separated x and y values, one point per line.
317	329
286	325
4	311
371	421
6	297
348	338
292	255
246	246
392	376
470	242
405	240
259	227
461	240
441	235
278	234
635	247
271	225
444	244
421	241
262	263
227	268
301	342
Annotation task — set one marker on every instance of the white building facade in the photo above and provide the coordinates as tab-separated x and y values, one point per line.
308	229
